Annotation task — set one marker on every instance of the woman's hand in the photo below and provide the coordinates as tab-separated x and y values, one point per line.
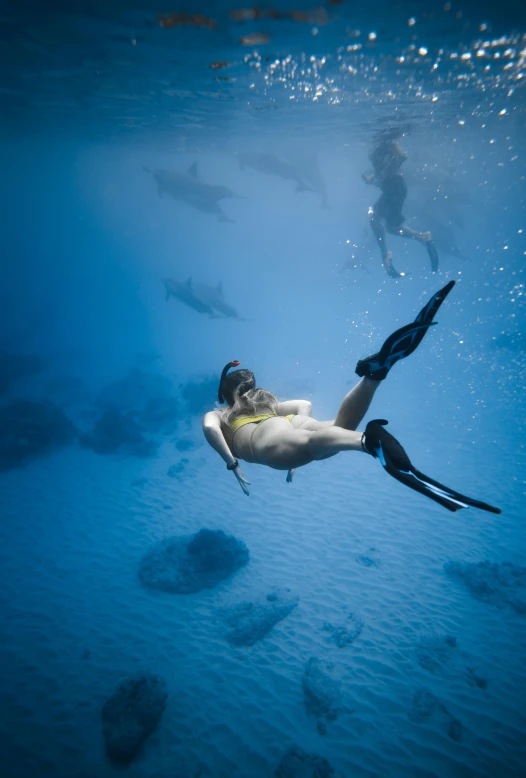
290	475
241	479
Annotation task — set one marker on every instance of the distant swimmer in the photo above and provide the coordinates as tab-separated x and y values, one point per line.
257	428
387	157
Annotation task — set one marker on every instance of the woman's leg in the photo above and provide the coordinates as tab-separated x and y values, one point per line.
356	404
387	256
379	233
421	237
426	239
290	448
331	440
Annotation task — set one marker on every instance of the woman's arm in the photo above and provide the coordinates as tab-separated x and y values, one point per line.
213	434
369	178
297	407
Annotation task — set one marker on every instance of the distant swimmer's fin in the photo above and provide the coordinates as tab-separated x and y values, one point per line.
301	187
393	458
433	256
192	170
390	269
403	341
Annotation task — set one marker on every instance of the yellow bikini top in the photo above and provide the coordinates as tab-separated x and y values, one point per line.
236	424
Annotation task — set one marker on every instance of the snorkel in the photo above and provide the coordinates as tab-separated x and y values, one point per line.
233	363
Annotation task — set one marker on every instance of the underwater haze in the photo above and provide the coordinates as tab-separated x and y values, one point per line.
183	185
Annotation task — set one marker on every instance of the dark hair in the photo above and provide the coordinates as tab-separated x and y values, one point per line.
389	134
238	390
235	385
229	383
381	153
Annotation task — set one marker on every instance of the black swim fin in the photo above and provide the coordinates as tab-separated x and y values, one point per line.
395	461
427	314
403	341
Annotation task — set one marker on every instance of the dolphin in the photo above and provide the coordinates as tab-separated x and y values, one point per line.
445	240
274	166
440	186
444	236
446	194
189	188
214	297
454	190
308	166
185	293
207	206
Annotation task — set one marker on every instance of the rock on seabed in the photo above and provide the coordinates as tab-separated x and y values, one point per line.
131	714
185	564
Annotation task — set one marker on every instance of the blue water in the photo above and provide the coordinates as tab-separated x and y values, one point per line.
377	640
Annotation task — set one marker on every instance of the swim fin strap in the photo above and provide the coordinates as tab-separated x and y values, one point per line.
395	461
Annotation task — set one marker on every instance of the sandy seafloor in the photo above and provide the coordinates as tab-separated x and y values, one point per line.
77	620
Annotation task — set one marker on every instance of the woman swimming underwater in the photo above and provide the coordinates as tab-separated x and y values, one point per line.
257	428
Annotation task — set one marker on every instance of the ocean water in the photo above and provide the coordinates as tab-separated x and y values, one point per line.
363	631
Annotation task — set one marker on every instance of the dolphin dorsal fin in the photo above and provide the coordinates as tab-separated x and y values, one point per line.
219	288
192	170
189	283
